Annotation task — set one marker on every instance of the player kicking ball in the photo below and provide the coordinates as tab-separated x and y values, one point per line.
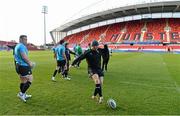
93	58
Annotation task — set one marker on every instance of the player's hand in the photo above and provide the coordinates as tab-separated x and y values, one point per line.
32	65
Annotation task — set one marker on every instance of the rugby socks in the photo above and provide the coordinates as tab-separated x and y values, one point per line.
59	70
26	86
55	72
98	90
65	73
95	90
21	86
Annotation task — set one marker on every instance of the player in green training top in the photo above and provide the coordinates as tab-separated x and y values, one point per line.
78	52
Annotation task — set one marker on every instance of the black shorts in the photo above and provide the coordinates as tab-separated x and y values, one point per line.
99	72
61	63
23	70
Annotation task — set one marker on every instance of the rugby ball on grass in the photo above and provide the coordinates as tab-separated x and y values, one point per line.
111	103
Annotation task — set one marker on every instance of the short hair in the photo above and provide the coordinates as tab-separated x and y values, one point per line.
22	36
61	41
95	43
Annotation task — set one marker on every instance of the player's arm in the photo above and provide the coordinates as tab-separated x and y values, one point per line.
64	55
81	57
12	47
71	52
26	59
54	52
100	50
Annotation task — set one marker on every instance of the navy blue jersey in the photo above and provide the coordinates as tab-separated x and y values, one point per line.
93	58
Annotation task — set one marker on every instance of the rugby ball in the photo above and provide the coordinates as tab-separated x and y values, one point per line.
111	103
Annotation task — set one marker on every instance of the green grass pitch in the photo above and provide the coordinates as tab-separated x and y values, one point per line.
140	83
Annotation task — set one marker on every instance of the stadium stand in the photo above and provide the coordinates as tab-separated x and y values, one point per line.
174	25
143	26
133	35
156	27
157	30
4	45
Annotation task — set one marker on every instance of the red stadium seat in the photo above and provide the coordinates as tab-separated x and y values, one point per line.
160	30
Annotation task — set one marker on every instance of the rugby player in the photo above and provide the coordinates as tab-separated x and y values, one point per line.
93	58
23	67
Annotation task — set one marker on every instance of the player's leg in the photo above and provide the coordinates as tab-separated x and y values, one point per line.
23	81
59	70
101	81
95	78
29	78
65	67
21	95
55	71
27	85
66	71
98	89
18	72
103	65
101	78
26	80
62	66
78	64
106	64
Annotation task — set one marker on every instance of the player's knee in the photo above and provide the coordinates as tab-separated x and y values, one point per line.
96	79
30	78
23	80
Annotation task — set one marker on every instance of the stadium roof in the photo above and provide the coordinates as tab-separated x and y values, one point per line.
154	7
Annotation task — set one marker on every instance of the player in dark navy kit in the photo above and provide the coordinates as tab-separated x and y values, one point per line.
105	57
68	53
23	67
93	58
